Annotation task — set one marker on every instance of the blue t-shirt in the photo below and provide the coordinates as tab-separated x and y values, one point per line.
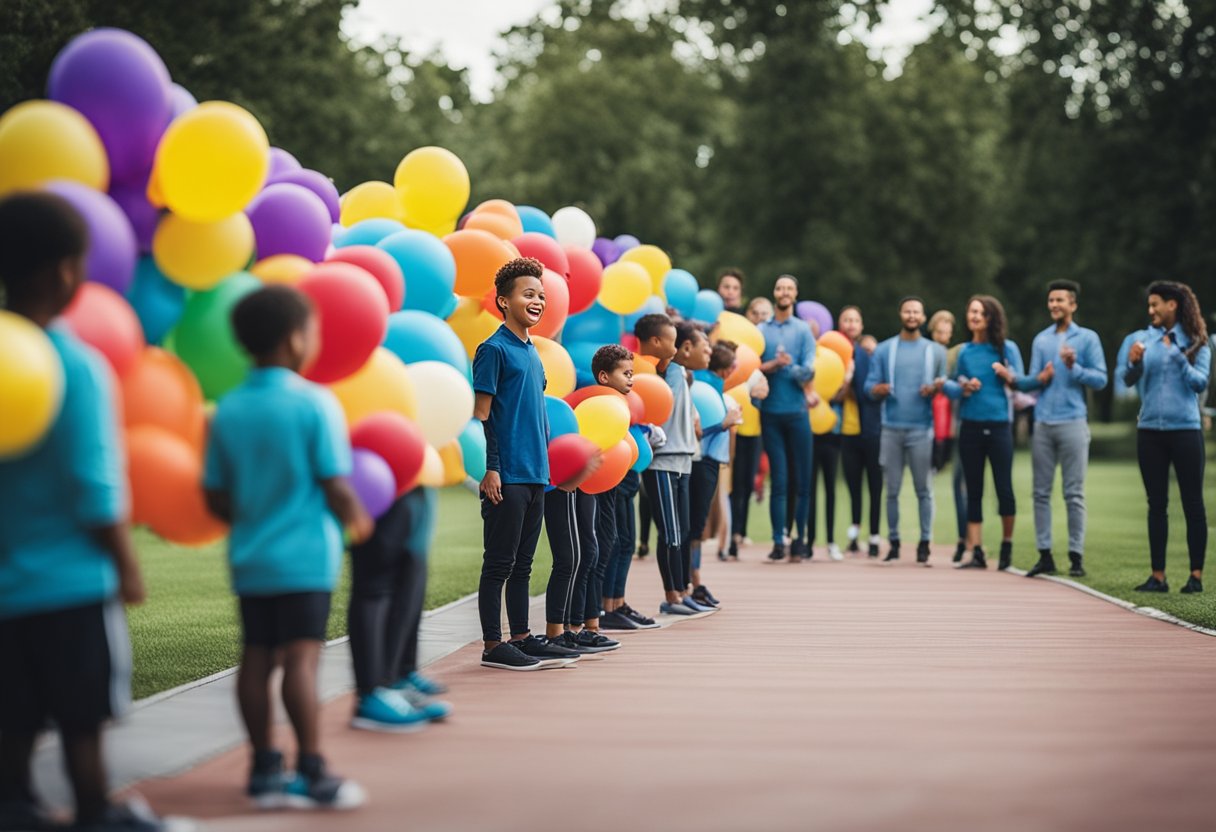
51	498
517	442
273	440
991	403
1171	387
785	384
906	365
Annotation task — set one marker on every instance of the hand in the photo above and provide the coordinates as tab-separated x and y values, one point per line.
783	358
1002	372
970	386
927	390
881	391
1165	339
491	486
360	528
1047	374
131	587
733	417
1068	355
812	399
591	467
1136	353
760	389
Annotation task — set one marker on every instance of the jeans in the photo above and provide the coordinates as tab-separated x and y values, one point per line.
1067	445
826	459
670	510
570	525
1157	449
512	530
912	447
860	455
787	441
743	479
702	488
992	441
616	572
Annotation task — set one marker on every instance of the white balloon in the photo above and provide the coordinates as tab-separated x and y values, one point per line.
445	403
574	227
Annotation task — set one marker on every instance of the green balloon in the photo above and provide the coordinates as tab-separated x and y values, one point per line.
204	339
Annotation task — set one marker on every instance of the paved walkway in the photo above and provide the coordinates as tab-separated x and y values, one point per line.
823	696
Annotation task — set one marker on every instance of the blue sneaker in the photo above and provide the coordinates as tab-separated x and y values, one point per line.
435	710
423	684
322	790
267	781
696	607
668	608
385	709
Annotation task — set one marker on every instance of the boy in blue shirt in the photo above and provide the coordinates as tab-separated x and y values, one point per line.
66	560
276	466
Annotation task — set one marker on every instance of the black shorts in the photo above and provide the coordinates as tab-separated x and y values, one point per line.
71	666
275	620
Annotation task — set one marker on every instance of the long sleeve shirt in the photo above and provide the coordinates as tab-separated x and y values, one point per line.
1170	385
906	366
991	403
869	412
1063	398
785	384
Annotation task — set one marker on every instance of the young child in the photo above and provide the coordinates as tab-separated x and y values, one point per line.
509	382
276	466
66	561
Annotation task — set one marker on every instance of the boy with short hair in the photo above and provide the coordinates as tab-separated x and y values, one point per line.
276	466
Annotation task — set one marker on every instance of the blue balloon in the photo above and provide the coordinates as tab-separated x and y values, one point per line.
708	403
473	448
596	324
416	336
581	353
561	417
708	307
653	306
367	232
158	303
449	307
534	219
645	452
681	289
428	266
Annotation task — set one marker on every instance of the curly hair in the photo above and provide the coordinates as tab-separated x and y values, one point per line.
997	328
1190	316
723	355
511	271
607	358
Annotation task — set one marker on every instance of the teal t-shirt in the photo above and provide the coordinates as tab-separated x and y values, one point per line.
50	498
273	440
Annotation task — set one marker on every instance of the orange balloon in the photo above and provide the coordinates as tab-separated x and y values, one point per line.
644	364
746	363
633	448
162	392
479	255
559	368
496	206
656	398
838	343
617	460
166	477
583	393
502	227
453	463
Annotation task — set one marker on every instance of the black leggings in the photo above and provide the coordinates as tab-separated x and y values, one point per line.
570	524
670	509
825	460
860	455
644	517
993	441
743	480
1157	450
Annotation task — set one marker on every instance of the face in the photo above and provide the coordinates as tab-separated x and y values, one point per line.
663	345
912	315
526	303
785	293
977	318
1061	304
1162	312
758	313
943	332
850	324
731	290
620	379
694	353
305	343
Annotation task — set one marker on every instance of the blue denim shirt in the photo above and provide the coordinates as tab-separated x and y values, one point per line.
1169	385
785	393
1063	399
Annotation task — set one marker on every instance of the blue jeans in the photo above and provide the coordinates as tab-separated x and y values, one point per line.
617	568
787	441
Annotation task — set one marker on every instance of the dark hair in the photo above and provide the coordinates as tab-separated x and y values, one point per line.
686	331
1065	286
513	270
782	277
1189	313
997	330
264	319
607	358
723	355
38	231
909	299
731	271
651	326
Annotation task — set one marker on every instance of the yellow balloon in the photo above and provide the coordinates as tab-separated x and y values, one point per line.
733	327
432	185
654	260
823	418
281	268
472	324
369	200
829	372
45	140
751	416
559	367
625	287
432	473
382	383
31	384
443	229
198	255
449	400
212	161
603	419
453	464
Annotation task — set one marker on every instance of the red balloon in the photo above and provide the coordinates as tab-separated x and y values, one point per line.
545	249
380	265
590	391
354	316
612	470
104	320
568	456
637	409
397	440
557	305
630	342
586	274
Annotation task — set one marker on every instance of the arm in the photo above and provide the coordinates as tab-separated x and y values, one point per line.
803	368
877	377
1129	370
116	539
1038	362
1090	367
1196	375
491	483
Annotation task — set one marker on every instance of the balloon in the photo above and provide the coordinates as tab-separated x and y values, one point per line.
557	305
680	288
596	325
637	408
449	400
428	267
204	338
368	232
534	220
112	246
708	403
289	219
166	476
161	391
369	200
654	305
397	440
198	255
606	251
101	318
573	227
829	373
644	364
433	186
586	275
626	241
561	417
281	164
751	416
372	480
545	249
838	343
746	363
132	199
287	269
653	259
119	83
416	336
810	310
630	342
472	324
449	307
157	302
569	456
733	327
603	419
625	288
180	100
501	207
708	307
31	384
380	265
581	354
433	469
353	316
656	397
382	383
478	256
45	140
318	183
591	391
823	418
473	449
453	463
612	470
645	452
559	369
502	227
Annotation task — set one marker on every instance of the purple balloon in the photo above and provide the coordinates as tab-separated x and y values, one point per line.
316	182
373	481
289	219
624	242
281	162
112	247
813	310
119	83
181	100
605	249
144	216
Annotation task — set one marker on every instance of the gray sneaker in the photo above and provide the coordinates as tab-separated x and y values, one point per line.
668	608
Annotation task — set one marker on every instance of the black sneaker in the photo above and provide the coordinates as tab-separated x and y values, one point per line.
506	656
854	546
132	816
798	550
26	814
978	560
545	651
702	595
1193	586
922	552
1077	570
1006	557
616	621
643	550
267	780
778	552
733	550
872	551
644	622
959	551
589	642
314	787
1045	566
1153	585
892	553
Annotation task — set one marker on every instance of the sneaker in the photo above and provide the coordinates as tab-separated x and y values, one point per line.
922	552
697	606
27	815
545	651
1153	585
315	788
644	622
423	684
507	656
872	552
1193	586
1006	556
1077	569
1045	566
959	551
436	710
798	551
643	550
702	595
892	553
133	815
978	560
778	552
592	642
267	781
616	620
834	552
388	711
733	550
668	608
853	536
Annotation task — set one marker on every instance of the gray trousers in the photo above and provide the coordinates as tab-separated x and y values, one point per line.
1066	445
912	447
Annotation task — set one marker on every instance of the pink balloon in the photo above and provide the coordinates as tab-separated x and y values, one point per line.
545	249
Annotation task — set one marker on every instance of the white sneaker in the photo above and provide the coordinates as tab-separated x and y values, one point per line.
854	531
834	552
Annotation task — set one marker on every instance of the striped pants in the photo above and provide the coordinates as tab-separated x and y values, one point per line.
570	525
668	492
